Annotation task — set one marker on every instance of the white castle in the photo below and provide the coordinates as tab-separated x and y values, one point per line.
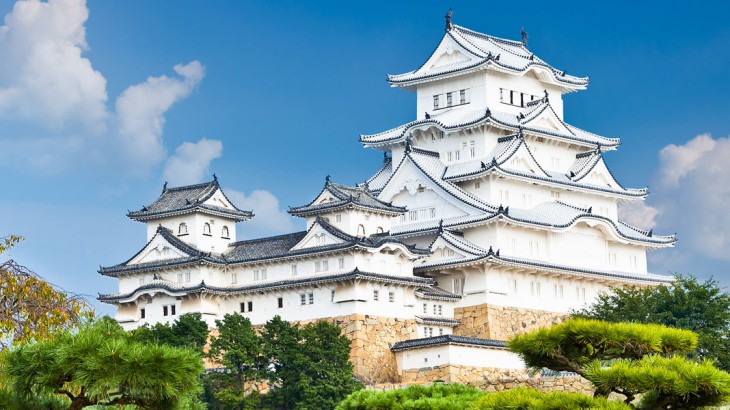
489	215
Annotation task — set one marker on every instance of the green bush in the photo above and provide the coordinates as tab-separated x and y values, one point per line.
434	397
530	399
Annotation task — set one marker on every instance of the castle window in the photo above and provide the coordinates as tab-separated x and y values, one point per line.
391	297
436	102
361	231
303	299
206	229
234	278
168	310
338	218
375	295
412	215
462	96
535	288
141	313
477	185
182	229
434	309
332	296
459	286
341	263
632	261
321	266
441	331
425	307
612	259
280	302
441	310
554	194
224	233
164	310
311	298
141	281
294	270
432	212
449	99
246	306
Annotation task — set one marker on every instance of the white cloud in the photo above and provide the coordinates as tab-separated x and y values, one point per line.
141	109
694	195
58	101
191	161
638	213
678	161
269	218
43	77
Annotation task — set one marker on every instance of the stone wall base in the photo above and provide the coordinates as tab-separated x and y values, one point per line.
500	322
491	379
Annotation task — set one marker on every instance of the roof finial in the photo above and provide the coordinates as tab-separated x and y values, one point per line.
524	36
441	226
164	186
408	143
448	15
546	95
427	115
215	178
385	155
327	179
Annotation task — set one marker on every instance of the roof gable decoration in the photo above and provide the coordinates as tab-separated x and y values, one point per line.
207	198
158	249
448	53
597	173
421	170
318	235
335	196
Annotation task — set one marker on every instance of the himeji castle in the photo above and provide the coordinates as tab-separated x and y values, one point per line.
489	215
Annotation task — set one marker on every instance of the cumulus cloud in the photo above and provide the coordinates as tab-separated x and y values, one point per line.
60	101
270	219
43	76
678	161
141	109
191	161
638	213
694	194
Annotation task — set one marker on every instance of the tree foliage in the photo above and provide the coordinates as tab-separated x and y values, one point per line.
687	303
237	349
188	330
102	365
530	399
309	366
31	308
628	359
434	397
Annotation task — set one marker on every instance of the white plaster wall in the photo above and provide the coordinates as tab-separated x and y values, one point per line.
195	221
474	83
457	355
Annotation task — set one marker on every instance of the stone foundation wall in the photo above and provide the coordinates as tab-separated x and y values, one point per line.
491	379
499	322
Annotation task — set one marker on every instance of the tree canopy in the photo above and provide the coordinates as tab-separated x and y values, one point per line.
628	359
686	303
30	307
101	365
188	330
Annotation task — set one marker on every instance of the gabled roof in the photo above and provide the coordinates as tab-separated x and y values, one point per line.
477	51
188	199
377	181
447	339
496	258
343	196
429	164
193	255
261	250
457	118
436	293
508	147
267	249
202	287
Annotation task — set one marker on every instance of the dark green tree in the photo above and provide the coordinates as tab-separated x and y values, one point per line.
530	399
237	349
629	359
188	330
687	303
309	367
101	365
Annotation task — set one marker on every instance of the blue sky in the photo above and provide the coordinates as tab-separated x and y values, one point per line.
102	102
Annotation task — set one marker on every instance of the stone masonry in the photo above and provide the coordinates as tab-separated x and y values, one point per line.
500	322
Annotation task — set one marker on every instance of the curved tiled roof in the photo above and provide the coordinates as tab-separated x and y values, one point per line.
202	287
261	250
447	339
495	257
359	196
187	199
377	181
436	293
437	320
486	52
457	118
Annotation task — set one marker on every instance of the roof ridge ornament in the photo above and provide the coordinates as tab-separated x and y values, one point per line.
427	115
215	178
449	24
327	180
164	187
523	33
547	99
408	143
441	226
